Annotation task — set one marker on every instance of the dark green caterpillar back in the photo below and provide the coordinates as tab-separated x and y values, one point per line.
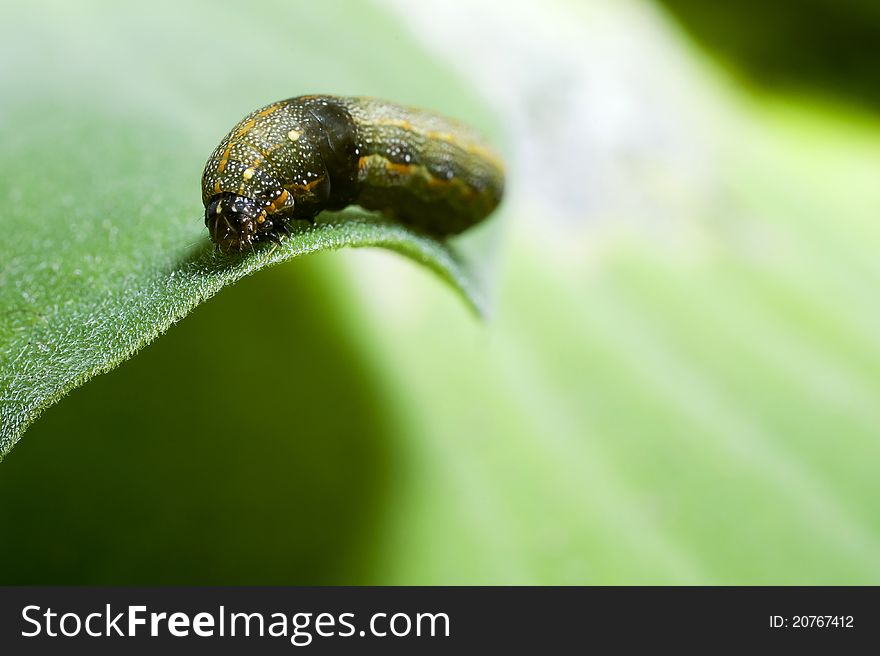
297	157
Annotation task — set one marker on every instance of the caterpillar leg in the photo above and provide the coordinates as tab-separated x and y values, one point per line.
284	226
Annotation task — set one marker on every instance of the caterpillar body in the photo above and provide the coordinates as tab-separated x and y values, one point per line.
294	158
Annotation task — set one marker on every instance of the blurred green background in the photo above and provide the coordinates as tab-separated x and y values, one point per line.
678	382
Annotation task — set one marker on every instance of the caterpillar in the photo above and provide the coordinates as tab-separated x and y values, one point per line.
297	157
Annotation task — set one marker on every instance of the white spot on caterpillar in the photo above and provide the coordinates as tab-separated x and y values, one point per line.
248	173
294	135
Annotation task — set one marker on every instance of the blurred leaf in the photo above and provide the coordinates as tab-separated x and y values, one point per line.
792	45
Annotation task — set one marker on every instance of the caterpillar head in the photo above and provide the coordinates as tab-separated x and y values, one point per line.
236	222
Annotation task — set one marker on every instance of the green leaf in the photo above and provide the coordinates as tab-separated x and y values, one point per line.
104	244
53	346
